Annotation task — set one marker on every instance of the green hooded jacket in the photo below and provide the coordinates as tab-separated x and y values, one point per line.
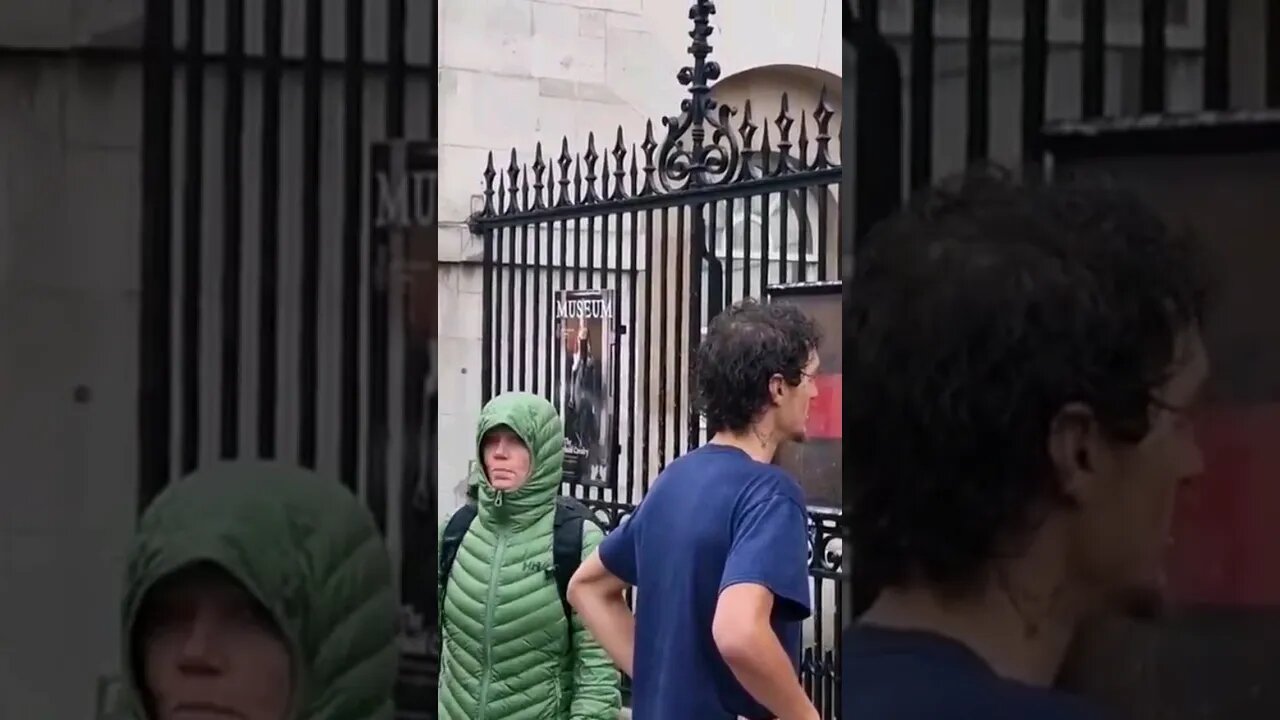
507	653
311	555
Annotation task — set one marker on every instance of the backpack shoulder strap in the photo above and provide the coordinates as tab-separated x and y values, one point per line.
454	531
567	546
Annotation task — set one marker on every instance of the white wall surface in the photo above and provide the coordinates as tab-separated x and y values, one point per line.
69	208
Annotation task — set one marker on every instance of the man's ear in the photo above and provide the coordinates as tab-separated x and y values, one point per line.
1073	448
776	385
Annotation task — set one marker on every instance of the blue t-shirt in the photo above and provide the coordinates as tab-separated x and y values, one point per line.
906	675
712	519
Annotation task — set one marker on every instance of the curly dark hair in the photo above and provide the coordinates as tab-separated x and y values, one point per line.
972	320
744	347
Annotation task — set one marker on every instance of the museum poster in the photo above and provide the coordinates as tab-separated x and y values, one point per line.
403	366
586	328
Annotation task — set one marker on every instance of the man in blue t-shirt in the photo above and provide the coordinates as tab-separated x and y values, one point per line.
1020	374
718	549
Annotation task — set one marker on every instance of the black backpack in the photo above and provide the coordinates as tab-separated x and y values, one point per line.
566	545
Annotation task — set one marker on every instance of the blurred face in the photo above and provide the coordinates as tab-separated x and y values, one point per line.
506	459
1126	493
210	652
792	401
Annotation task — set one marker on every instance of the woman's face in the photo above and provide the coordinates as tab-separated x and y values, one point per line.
211	652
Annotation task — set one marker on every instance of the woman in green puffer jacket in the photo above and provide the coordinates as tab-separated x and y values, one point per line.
259	591
507	653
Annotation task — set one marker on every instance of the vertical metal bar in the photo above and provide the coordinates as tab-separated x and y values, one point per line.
922	92
1092	58
352	154
633	439
701	268
522	302
685	245
413	350
1217	73
487	321
1154	18
499	340
192	222
564	279
603	282
651	277
309	305
748	210
232	228
822	231
766	242
397	23
155	363
269	230
513	305
977	136
536	339
1035	54
729	246
878	132
784	231
664	299
802	227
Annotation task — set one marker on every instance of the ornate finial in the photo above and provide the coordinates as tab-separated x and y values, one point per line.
747	131
591	157
822	118
565	162
513	187
803	143
489	174
524	190
635	171
619	167
649	145
539	167
785	123
702	163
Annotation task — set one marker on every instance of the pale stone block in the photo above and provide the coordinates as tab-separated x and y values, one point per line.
592	23
634	7
460	314
627	21
485	110
110	23
449	243
568	56
462	178
460	374
99	249
43	24
488	35
104	106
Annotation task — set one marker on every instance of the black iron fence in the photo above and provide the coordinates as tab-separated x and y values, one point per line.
720	205
278	302
995	79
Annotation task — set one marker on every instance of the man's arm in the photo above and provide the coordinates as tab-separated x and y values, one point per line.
597	595
749	646
596	695
766	574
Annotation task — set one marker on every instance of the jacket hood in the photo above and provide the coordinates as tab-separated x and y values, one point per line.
538	425
308	551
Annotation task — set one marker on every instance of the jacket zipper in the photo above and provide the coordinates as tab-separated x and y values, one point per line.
494	574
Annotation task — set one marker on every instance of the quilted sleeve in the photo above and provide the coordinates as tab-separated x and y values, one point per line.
596	694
